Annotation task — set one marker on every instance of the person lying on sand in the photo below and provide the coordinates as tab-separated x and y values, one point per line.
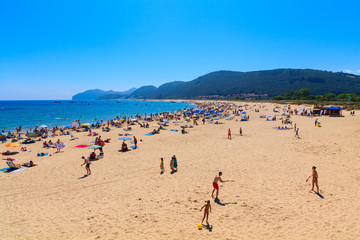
29	164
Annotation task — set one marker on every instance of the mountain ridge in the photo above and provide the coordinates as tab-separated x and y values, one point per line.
268	83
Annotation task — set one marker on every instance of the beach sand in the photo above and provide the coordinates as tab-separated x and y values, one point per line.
126	197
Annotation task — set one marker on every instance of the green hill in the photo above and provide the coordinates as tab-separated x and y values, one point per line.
270	82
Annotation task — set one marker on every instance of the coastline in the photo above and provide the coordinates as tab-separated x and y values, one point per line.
126	197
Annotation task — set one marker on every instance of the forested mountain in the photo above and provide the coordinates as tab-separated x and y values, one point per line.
269	83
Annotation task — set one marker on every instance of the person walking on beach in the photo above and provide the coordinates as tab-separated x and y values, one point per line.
216	185
172	165
135	142
207	210
295	127
87	166
229	134
240	132
314	176
162	168
175	163
297	133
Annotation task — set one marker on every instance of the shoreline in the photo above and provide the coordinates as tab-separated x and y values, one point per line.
127	197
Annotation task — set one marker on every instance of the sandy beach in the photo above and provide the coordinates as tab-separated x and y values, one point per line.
126	197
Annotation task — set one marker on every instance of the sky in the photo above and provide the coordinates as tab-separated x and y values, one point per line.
55	49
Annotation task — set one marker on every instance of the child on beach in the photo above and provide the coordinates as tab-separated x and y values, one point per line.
87	166
207	210
229	134
314	179
162	168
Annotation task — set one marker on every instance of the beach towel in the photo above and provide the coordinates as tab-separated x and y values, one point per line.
17	170
133	147
174	130
4	169
149	134
82	146
45	154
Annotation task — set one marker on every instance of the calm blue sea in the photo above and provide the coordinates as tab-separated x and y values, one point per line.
54	113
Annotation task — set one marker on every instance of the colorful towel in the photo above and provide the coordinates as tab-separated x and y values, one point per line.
82	146
45	154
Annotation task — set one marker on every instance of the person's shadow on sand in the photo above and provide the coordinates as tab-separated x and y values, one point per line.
223	204
319	194
208	227
83	176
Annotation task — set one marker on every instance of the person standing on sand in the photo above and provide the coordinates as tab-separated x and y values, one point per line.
216	185
316	121
135	142
172	164
87	166
229	134
297	133
175	163
203	121
314	179
162	168
295	127
240	132
207	210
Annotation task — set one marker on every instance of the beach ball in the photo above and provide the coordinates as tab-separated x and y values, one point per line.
199	226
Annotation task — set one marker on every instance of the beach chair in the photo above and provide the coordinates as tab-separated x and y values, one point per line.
12	165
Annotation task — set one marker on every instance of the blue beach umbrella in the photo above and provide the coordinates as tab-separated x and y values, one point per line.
243	113
276	111
125	138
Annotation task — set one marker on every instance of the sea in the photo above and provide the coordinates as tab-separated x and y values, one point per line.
53	113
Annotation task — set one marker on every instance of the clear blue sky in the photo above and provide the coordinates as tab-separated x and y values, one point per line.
55	49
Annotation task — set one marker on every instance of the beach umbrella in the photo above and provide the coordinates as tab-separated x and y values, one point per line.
188	113
166	121
68	126
98	122
243	113
13	144
196	111
85	124
94	147
125	138
42	126
220	111
73	123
